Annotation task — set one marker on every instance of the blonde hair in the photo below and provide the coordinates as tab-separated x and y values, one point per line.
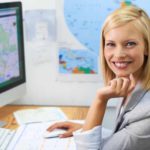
141	22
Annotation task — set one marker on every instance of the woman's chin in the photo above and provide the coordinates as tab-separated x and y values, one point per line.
122	75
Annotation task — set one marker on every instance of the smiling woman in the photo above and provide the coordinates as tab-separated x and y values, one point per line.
123	51
131	30
125	56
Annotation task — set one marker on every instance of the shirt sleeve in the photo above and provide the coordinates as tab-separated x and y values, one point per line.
88	140
135	136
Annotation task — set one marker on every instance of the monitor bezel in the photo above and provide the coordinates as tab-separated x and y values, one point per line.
22	78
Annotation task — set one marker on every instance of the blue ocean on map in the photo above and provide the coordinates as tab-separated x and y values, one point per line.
85	18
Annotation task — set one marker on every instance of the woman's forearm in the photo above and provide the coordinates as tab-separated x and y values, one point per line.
95	114
118	87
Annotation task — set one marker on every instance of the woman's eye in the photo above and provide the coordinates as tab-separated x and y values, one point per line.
130	44
109	45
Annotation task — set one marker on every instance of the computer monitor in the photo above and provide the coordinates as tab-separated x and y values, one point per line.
12	61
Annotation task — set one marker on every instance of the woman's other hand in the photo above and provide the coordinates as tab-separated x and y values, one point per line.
70	127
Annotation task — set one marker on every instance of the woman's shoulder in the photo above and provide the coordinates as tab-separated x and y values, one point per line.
147	93
141	109
146	98
140	92
139	105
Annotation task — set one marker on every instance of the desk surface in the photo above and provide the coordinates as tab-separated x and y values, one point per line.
6	113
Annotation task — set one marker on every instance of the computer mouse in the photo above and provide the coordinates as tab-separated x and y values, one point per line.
54	133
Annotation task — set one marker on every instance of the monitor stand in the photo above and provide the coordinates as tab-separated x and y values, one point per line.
2	123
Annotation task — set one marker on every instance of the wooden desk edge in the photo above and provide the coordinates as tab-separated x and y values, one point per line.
72	112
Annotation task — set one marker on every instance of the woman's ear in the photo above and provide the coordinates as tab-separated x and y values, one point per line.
146	52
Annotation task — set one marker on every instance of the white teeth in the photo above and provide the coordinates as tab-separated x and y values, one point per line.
121	64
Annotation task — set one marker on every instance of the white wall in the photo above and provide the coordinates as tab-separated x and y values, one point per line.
42	86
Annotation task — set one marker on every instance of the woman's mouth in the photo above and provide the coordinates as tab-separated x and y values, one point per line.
121	65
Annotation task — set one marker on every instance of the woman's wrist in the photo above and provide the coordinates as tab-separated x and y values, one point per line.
101	98
101	102
95	114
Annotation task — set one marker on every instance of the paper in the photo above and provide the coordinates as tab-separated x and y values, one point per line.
43	23
39	115
30	137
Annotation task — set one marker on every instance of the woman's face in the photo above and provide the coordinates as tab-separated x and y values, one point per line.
124	50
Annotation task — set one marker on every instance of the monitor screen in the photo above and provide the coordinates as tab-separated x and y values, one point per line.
12	61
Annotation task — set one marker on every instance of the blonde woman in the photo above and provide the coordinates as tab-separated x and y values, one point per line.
125	56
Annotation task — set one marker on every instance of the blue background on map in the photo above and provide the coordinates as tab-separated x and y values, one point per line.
85	18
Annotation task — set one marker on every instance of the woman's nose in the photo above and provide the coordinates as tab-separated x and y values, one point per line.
120	53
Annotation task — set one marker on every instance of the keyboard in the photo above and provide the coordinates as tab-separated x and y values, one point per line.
5	137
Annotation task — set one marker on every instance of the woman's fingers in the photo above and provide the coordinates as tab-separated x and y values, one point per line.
120	82
58	125
69	126
118	87
125	85
121	86
132	82
113	83
66	134
128	84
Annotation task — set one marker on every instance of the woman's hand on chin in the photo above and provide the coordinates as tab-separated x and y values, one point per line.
118	87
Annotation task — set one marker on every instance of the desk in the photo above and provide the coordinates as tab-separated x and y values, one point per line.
6	113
